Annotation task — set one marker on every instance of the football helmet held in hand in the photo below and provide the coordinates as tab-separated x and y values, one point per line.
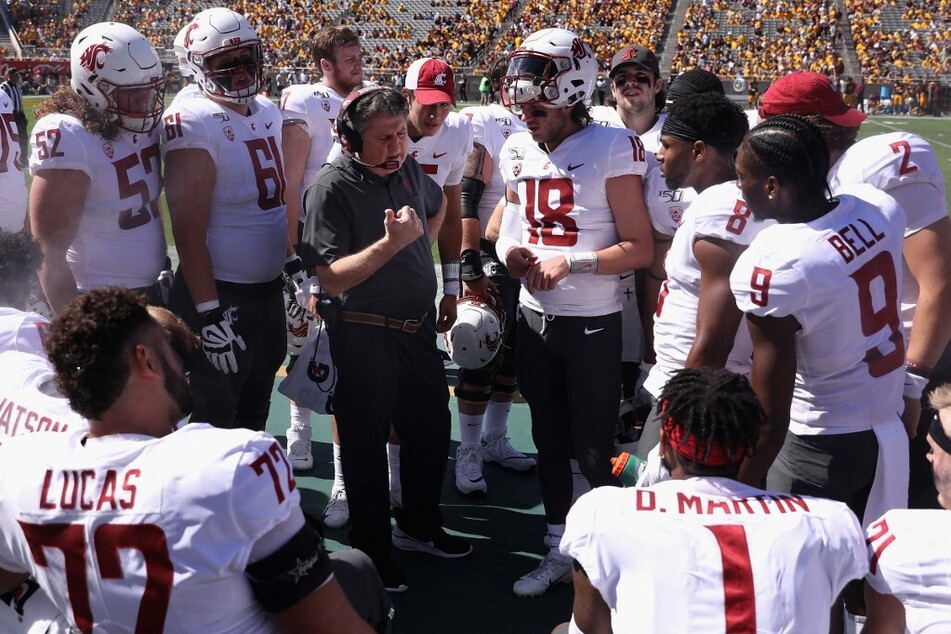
552	68
476	336
116	69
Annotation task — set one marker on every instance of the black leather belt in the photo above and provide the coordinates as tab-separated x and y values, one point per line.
369	319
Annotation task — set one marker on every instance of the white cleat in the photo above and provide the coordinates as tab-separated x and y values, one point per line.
469	479
337	512
298	448
553	569
497	448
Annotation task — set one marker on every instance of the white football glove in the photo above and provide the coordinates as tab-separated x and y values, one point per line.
298	321
218	339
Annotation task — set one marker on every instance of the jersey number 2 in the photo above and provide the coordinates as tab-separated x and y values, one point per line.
108	539
538	199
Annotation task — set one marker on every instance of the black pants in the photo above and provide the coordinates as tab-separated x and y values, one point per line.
569	371
24	138
837	467
386	376
360	582
922	493
242	399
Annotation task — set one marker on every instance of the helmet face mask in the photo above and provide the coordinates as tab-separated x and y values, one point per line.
224	55
117	71
553	69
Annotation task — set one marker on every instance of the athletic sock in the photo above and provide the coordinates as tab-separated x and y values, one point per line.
470	428
300	416
338	469
555	533
497	417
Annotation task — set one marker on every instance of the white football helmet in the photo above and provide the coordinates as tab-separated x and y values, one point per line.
221	31
476	336
552	68
116	69
181	55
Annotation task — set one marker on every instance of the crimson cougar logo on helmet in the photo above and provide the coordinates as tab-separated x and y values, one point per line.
578	50
91	58
189	38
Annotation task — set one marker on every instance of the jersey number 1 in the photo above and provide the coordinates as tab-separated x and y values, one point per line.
739	596
108	540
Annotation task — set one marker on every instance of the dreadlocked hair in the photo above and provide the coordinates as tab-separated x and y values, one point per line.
714	405
793	150
837	137
66	101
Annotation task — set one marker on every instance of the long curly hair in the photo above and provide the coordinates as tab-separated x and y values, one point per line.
66	101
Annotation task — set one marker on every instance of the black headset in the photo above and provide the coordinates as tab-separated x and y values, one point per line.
350	139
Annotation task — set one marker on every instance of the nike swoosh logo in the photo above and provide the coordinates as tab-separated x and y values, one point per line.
268	124
588	331
572	168
476	480
624	277
440	155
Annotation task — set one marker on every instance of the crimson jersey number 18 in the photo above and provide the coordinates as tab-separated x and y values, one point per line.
555	228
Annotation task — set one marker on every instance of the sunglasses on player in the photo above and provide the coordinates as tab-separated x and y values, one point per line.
641	78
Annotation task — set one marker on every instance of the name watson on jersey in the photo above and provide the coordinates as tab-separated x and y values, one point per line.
12	414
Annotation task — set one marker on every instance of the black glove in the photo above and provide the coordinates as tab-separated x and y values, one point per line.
218	339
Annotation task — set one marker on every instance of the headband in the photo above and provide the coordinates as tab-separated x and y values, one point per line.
703	451
678	129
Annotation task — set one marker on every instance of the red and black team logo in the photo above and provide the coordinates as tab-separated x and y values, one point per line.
629	54
94	57
578	50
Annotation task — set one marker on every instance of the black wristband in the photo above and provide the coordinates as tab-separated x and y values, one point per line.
471	269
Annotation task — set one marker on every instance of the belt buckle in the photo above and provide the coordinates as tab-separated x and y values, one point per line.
410	323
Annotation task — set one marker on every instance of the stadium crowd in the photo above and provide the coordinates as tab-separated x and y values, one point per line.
768	306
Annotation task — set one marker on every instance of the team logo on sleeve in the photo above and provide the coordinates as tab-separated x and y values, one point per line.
94	57
229	133
676	214
109	149
516	169
326	106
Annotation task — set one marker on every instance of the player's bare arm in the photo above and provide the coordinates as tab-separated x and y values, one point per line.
295	144
635	248
717	315
884	613
592	615
190	176
435	222
403	227
56	206
654	279
494	228
773	380
477	172
928	254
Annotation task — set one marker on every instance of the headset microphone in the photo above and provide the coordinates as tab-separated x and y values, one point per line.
391	164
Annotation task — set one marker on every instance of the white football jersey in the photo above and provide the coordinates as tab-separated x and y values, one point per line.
443	156
12	185
247	230
187	92
712	555
666	206
605	116
28	398
651	138
565	209
23	331
492	125
176	515
718	212
887	162
120	240
909	558
315	106
840	277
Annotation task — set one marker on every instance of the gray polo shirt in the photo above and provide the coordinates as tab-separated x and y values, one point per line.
345	212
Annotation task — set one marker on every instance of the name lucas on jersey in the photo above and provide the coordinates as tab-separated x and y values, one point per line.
11	415
772	504
845	241
88	490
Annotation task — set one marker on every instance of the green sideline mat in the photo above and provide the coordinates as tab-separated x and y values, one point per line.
472	595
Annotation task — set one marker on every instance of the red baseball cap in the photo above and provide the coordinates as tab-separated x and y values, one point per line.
431	81
809	93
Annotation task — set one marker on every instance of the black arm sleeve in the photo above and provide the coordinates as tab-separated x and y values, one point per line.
292	572
472	189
